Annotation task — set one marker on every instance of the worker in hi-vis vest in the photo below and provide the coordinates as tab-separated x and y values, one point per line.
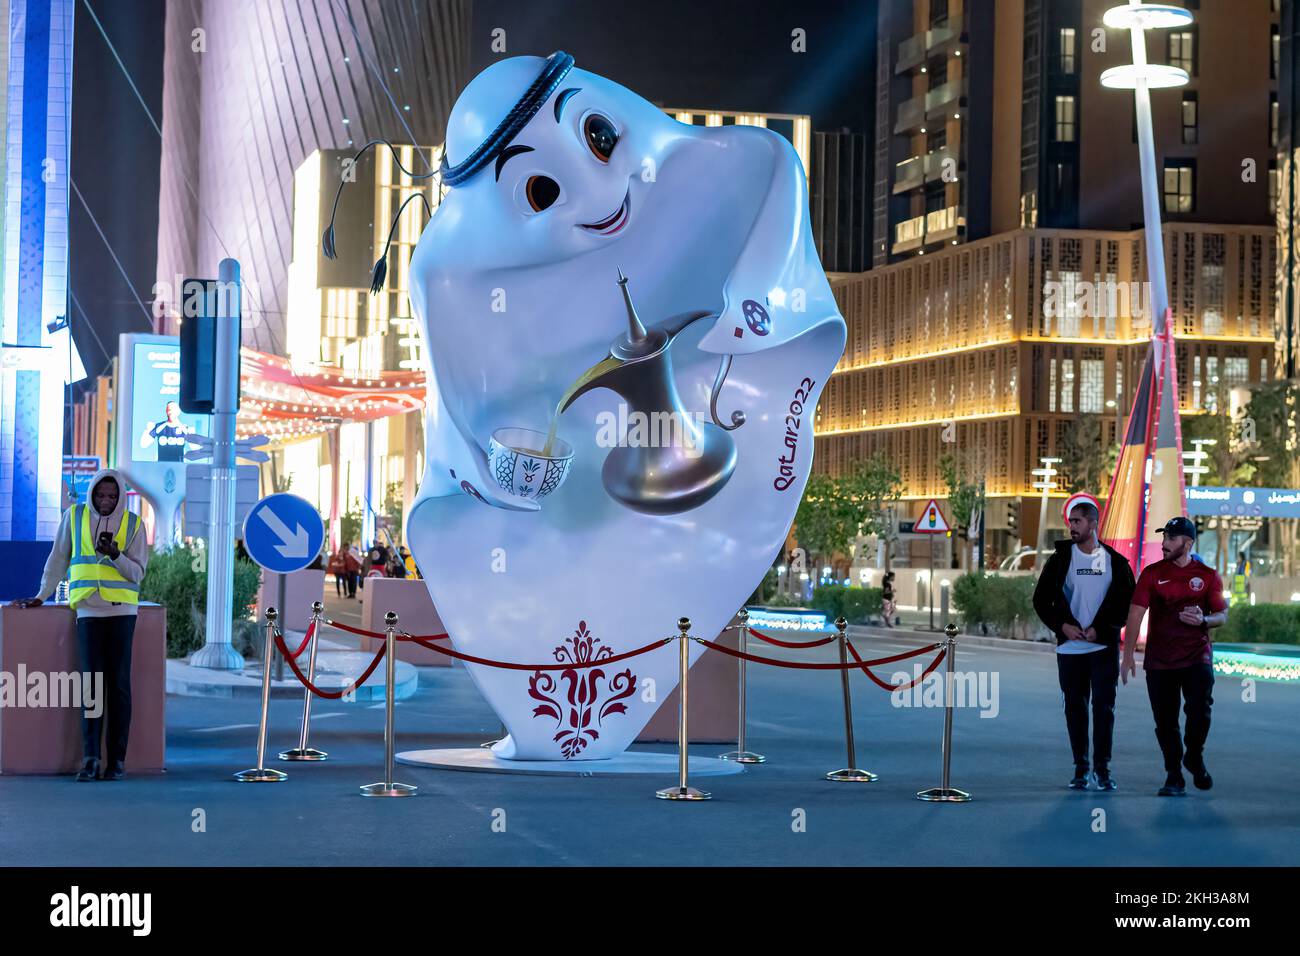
102	551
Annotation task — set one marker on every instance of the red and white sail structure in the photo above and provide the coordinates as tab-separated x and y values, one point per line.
1147	487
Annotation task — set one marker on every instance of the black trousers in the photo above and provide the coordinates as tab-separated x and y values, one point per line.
1084	677
105	646
1194	684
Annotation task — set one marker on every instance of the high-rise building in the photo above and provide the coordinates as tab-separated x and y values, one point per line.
990	117
252	88
36	354
1005	319
1285	65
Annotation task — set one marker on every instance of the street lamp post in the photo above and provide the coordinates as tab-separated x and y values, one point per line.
1046	474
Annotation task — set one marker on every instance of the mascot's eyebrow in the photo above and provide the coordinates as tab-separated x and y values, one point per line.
507	153
564	98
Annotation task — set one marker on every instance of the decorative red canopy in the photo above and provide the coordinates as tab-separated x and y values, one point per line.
286	403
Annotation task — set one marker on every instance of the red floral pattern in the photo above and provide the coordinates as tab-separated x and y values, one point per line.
585	704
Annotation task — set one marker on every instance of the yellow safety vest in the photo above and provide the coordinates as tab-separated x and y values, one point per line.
92	573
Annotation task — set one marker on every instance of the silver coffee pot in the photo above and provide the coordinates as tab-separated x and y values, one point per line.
658	477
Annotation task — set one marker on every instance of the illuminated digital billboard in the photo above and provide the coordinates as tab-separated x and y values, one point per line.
160	428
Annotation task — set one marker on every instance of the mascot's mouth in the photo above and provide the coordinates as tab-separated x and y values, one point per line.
616	222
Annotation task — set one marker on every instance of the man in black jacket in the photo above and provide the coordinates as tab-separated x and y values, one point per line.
1083	596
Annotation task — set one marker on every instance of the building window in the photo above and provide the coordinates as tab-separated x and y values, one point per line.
1272	188
1092	385
1180	186
1272	119
1274	52
938	12
1190	118
1067	49
1182	50
1065	119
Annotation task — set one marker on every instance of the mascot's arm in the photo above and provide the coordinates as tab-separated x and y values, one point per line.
455	462
777	274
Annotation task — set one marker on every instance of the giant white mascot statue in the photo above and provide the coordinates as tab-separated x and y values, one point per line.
657	282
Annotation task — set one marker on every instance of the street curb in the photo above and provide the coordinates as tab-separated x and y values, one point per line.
969	640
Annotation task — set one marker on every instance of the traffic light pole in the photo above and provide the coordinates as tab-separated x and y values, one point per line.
218	652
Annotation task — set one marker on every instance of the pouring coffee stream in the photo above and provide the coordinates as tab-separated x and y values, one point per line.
657	477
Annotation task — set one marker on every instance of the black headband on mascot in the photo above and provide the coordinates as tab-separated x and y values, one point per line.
557	67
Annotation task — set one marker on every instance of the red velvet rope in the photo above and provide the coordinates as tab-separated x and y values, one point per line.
306	639
796	644
424	642
328	694
380	635
817	667
893	687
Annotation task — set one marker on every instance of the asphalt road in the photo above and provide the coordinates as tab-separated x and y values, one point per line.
1015	764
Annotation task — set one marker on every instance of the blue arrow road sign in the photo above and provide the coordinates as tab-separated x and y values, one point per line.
283	533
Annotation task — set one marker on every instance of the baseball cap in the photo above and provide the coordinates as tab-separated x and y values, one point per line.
1180	525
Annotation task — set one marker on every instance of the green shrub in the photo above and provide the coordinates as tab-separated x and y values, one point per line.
970	597
1261	624
1003	604
178	580
1011	604
855	605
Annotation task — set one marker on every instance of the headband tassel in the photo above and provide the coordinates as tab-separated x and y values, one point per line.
379	275
328	240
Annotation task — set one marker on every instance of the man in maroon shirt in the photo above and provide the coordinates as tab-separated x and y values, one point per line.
1185	599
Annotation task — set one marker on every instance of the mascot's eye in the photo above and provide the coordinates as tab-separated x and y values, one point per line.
541	192
601	136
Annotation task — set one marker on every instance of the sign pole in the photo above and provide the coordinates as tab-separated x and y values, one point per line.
929	599
218	652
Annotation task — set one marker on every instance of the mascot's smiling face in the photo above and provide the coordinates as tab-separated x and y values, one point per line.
573	180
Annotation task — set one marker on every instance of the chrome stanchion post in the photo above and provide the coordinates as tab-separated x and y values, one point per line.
850	773
260	773
740	754
302	751
387	788
945	793
683	791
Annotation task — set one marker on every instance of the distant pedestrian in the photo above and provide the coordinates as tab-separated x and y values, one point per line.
1082	596
1184	599
887	606
351	569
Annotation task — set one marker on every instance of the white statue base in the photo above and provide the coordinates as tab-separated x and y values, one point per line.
629	763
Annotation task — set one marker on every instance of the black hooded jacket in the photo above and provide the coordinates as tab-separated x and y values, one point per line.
1053	608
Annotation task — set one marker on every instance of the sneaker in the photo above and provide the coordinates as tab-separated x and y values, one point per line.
1104	781
1200	776
89	771
115	771
1174	786
1080	779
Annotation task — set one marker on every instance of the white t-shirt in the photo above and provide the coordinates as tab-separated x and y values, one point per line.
1086	584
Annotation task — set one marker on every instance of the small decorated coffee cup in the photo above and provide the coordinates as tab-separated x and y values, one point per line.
521	466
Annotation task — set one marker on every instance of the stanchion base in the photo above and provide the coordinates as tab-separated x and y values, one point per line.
941	795
742	756
683	793
384	790
852	775
260	775
311	753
